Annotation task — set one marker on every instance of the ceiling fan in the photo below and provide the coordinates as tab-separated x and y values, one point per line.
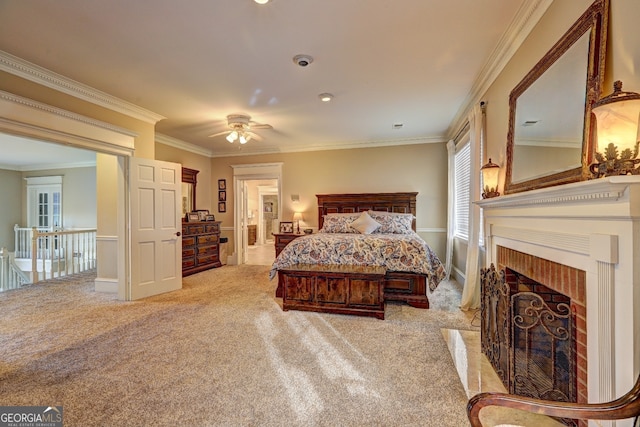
241	128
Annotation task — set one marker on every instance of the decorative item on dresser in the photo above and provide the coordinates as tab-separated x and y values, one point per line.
200	246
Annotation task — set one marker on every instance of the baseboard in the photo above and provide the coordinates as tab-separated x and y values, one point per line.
458	275
106	285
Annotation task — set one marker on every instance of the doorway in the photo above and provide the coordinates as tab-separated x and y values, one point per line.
257	208
262	212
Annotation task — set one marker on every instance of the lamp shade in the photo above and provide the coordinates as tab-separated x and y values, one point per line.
490	175
297	216
617	118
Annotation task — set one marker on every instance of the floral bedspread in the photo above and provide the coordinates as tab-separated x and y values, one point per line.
395	252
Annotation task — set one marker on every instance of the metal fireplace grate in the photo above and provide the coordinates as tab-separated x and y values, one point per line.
528	336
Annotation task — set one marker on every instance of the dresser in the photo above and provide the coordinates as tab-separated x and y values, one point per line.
252	234
200	246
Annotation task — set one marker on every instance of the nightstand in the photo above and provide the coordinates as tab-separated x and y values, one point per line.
283	239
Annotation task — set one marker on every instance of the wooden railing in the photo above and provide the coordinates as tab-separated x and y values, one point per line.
23	238
11	277
55	253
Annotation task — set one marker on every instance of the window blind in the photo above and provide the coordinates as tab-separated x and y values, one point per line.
462	180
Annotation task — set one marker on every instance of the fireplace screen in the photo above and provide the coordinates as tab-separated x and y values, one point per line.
542	352
528	336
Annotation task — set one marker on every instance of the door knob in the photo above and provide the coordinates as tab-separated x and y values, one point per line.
178	234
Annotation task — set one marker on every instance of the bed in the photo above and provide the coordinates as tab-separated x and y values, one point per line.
409	266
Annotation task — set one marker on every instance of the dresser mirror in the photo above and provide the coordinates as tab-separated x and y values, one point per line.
550	128
189	181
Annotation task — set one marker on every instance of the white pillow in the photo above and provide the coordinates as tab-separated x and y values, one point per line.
365	224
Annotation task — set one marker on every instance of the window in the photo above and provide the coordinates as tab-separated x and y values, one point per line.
44	202
462	178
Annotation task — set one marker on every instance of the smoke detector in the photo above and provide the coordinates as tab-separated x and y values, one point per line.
302	60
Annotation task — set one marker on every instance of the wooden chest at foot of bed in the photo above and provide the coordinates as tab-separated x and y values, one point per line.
356	290
406	287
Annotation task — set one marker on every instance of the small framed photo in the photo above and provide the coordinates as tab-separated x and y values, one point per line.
286	227
202	214
210	218
222	196
268	207
222	184
193	217
222	206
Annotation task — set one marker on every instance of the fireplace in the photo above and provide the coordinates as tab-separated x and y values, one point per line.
528	335
580	240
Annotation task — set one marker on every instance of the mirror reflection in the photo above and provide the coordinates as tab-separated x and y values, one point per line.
549	121
549	140
187	198
189	181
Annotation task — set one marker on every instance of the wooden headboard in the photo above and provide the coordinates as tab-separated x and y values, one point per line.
349	203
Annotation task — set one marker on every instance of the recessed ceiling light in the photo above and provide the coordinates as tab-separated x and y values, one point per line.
325	97
261	1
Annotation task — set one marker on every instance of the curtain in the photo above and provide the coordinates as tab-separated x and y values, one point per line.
451	151
471	291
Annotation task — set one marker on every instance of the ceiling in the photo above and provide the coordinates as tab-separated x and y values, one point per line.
414	63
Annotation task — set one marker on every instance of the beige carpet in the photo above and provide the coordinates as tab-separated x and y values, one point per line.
221	352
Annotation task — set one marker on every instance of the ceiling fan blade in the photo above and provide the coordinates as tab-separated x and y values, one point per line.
254	125
218	134
255	136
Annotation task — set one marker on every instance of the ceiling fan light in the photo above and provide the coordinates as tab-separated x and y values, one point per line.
232	136
244	138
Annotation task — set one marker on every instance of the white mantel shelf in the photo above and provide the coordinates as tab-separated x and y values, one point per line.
593	226
603	190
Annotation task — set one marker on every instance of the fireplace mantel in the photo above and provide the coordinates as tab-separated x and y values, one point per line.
593	226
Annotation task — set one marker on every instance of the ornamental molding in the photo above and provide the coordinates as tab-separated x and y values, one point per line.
59	112
32	72
599	191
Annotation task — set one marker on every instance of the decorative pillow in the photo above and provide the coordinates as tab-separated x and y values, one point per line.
339	223
393	223
365	224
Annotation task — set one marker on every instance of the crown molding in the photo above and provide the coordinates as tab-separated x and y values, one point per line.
522	24
344	146
48	166
182	145
32	72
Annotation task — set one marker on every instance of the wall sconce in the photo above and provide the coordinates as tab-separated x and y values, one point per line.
297	216
490	175
617	117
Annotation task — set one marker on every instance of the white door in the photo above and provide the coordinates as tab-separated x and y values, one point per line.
156	223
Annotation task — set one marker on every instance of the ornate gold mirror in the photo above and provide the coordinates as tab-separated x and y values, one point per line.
189	181
550	129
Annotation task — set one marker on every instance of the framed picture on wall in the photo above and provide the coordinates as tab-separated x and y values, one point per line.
222	196
222	184
222	206
286	227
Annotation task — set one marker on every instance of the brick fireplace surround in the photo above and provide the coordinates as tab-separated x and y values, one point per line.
589	235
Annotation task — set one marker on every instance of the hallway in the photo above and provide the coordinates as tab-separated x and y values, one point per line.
261	254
